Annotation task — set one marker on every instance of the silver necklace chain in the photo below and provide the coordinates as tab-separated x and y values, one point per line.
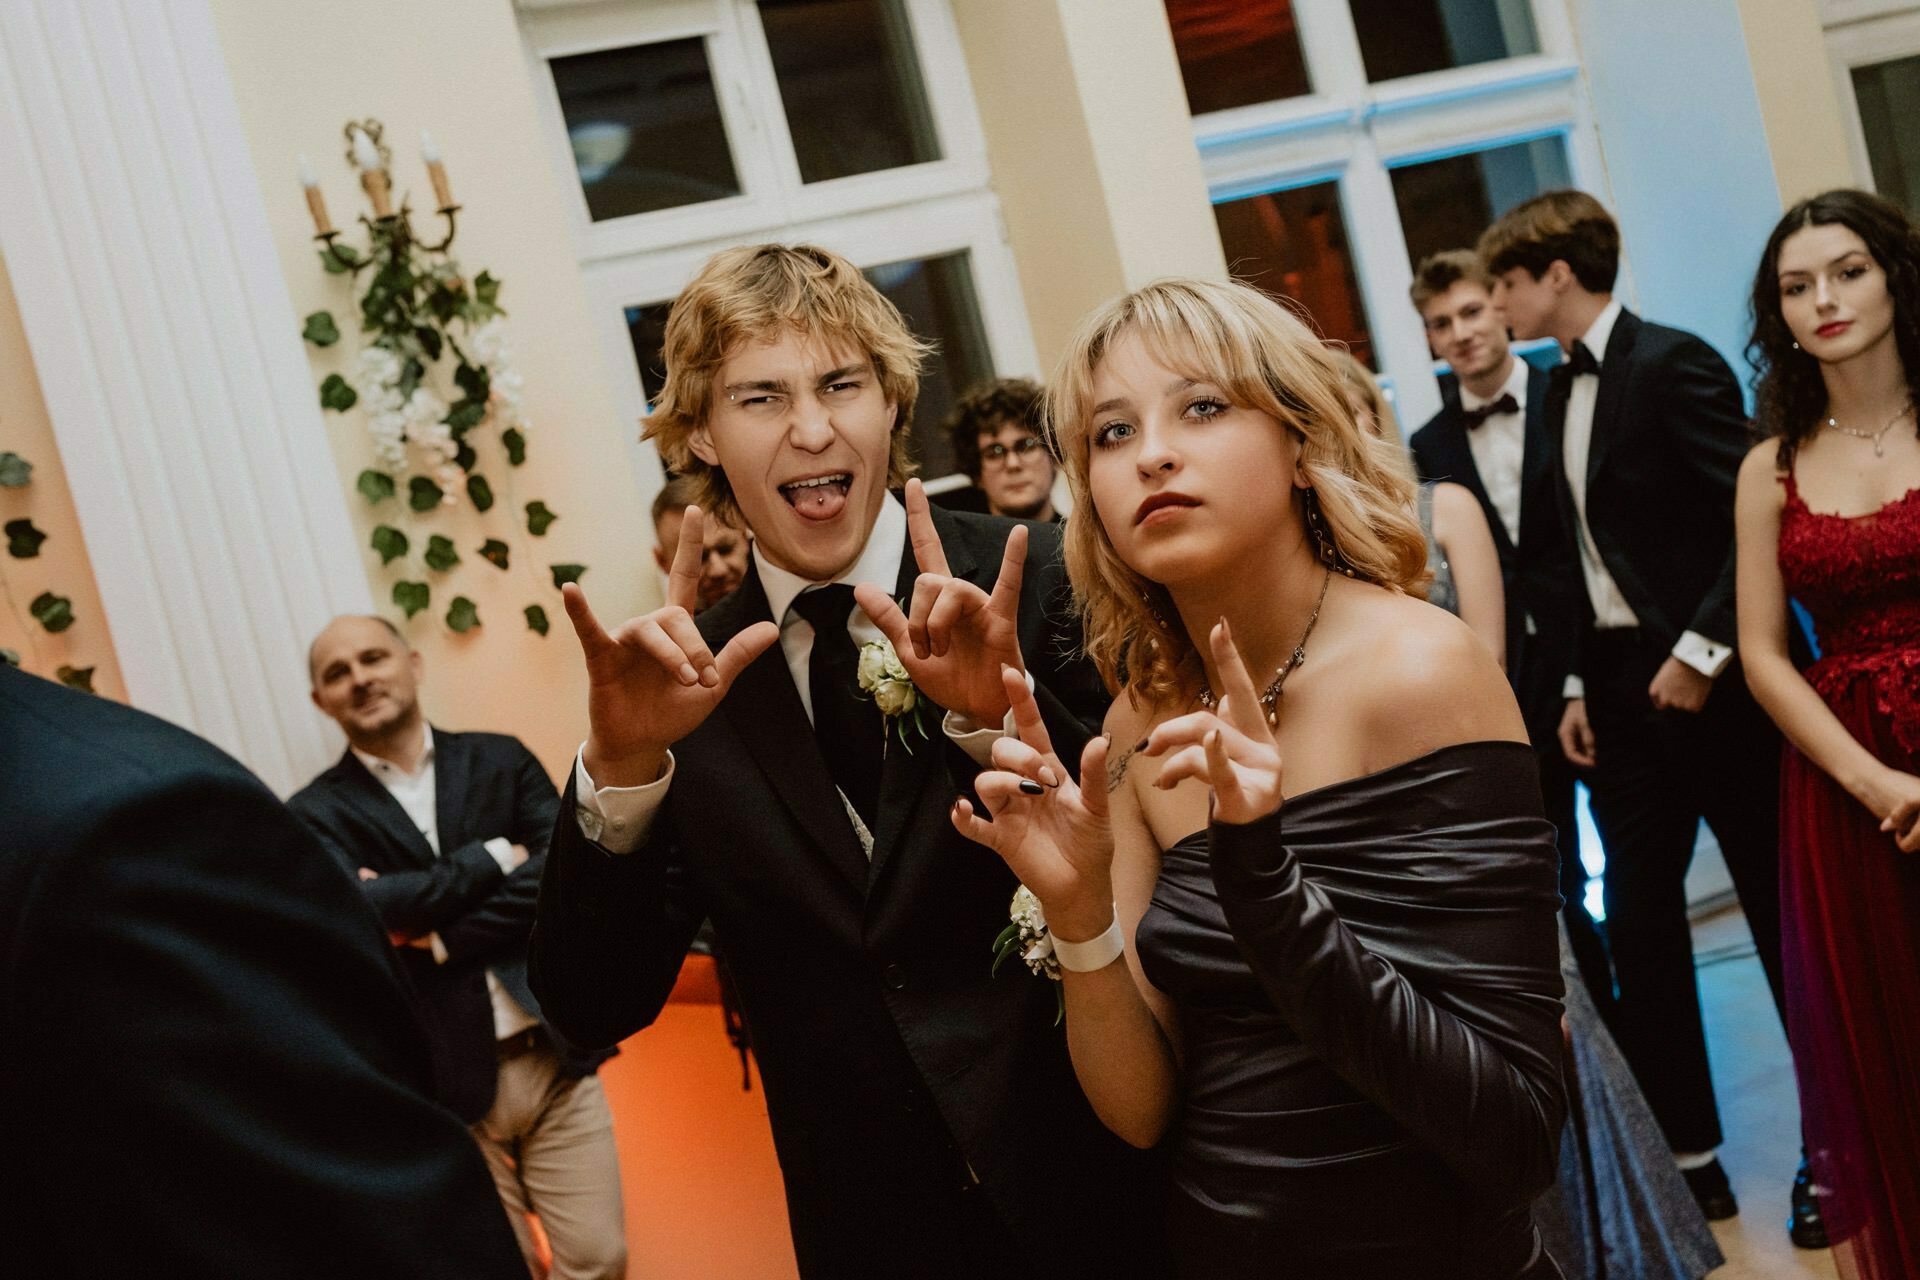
1879	437
1271	695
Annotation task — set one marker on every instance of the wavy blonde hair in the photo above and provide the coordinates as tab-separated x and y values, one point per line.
1263	357
756	293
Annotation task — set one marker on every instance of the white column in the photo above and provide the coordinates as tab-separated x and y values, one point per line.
169	352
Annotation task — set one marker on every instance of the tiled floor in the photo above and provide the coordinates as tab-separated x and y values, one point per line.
1760	1114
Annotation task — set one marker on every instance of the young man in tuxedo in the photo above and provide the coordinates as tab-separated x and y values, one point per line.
925	1112
723	551
1491	436
1649	429
446	834
210	1066
997	441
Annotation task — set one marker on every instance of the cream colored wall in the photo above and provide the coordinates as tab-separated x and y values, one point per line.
457	68
1091	147
1798	100
62	565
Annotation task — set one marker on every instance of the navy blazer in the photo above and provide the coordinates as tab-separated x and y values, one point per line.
1538	571
892	1056
209	1066
486	785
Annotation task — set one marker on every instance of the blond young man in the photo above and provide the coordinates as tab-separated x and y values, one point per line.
924	1111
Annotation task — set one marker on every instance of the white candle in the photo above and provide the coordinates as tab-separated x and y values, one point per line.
307	176
429	149
364	153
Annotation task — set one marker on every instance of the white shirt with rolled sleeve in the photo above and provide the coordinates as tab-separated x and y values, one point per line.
618	819
1610	608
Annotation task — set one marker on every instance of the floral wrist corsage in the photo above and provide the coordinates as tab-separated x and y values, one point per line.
1026	934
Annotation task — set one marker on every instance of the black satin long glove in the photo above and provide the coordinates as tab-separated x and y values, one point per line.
1403	925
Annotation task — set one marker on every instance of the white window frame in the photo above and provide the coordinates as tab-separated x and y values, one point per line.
915	211
1890	33
1354	133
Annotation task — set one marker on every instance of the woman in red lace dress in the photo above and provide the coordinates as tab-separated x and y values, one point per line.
1829	515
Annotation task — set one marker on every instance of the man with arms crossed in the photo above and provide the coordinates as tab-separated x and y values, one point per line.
925	1113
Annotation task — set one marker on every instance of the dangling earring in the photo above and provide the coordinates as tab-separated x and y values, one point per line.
1323	539
1796	346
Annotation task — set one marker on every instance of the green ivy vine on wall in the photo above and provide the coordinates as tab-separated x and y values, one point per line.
48	610
436	386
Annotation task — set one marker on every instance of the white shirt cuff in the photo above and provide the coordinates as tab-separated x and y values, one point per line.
975	740
617	818
1708	657
438	948
501	850
1575	687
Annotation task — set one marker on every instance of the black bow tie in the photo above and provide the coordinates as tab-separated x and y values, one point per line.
1583	360
1505	404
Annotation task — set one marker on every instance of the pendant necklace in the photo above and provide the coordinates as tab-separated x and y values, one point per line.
1879	437
1271	695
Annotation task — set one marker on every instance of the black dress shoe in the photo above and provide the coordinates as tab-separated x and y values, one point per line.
1711	1191
1804	1225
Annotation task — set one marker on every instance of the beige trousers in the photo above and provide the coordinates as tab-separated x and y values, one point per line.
549	1142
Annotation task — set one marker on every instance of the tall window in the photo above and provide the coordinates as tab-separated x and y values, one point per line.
1875	51
1344	140
689	125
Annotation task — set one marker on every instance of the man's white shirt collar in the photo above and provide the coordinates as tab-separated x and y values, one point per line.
1515	386
1600	332
379	767
878	562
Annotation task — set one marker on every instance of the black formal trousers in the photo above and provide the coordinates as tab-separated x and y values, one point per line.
1657	774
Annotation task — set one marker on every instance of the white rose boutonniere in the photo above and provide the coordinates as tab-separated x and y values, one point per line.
1026	935
885	680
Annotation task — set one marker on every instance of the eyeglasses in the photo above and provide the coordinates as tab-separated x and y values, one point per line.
997	452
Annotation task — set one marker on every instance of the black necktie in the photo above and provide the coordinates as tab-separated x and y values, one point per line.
1583	361
1505	404
846	722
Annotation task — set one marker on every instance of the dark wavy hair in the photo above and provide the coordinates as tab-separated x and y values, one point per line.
988	407
1790	395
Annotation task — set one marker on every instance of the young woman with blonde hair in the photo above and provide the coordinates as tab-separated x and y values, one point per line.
1340	992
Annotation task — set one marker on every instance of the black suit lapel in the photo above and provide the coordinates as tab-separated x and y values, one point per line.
904	774
1614	371
1539	452
363	791
765	710
452	765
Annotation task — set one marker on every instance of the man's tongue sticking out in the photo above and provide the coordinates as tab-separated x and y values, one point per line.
819	499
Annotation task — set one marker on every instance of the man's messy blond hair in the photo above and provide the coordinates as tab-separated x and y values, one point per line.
757	293
1263	358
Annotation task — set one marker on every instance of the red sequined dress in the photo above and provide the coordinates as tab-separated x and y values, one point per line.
1850	899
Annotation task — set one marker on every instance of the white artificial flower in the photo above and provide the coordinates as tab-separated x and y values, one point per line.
896	697
872	671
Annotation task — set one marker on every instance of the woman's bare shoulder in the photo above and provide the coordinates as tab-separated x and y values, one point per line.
1421	680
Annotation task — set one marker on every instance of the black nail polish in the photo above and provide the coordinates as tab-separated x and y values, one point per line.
1141	745
1032	788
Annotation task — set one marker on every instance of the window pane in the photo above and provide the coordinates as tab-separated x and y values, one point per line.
1889	97
936	297
850	82
1236	52
645	127
1406	37
1294	244
1446	204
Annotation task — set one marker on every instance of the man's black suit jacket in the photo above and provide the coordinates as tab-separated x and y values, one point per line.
1537	571
209	1066
486	785
1669	434
877	1023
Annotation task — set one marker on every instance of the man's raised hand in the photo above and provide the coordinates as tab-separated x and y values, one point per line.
955	637
652	680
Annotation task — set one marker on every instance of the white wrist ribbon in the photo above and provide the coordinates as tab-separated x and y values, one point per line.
1094	953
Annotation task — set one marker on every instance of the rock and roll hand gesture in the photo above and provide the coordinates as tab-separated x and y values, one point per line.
652	680
955	637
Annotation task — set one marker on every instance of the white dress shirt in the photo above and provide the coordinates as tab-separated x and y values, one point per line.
1499	446
619	818
417	794
1610	608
